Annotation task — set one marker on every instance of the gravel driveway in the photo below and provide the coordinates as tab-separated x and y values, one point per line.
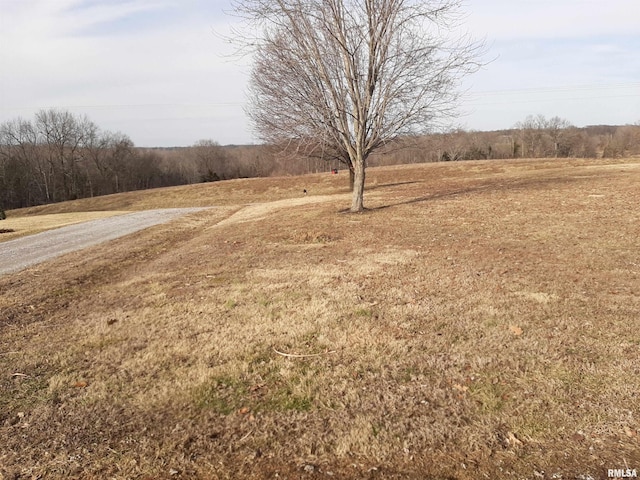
26	251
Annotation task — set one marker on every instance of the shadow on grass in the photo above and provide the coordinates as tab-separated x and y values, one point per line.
396	184
497	186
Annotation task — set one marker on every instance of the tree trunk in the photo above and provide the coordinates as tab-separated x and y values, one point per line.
352	178
357	199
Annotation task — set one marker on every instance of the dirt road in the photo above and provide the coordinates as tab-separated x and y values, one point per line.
26	251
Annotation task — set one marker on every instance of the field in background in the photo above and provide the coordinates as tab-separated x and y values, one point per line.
481	320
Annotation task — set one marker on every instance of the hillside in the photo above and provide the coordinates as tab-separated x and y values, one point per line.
480	320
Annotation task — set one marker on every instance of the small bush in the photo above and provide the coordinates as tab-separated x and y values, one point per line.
2	214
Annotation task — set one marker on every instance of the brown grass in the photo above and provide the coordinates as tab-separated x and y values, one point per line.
481	320
231	192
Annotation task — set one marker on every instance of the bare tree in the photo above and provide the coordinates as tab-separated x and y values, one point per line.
19	141
542	137
211	161
556	128
342	78
532	135
63	136
120	156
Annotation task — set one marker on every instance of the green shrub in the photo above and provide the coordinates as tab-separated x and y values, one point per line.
2	214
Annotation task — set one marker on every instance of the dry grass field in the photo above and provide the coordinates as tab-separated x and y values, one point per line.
480	320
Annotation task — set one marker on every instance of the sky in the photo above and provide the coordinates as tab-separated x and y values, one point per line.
161	72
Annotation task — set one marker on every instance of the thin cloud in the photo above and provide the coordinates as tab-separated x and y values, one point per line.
87	17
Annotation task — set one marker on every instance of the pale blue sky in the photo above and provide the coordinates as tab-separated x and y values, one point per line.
156	70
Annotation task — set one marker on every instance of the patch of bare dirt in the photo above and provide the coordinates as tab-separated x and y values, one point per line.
259	211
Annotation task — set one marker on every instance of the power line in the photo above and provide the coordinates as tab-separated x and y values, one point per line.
558	89
540	100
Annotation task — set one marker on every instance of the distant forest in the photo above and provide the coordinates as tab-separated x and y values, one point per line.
59	156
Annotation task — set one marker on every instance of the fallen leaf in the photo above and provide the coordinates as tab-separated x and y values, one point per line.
80	384
515	329
243	411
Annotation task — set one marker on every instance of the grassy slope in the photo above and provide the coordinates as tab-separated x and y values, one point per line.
481	320
230	192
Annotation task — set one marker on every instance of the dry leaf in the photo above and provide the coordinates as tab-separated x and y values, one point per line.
578	437
460	388
515	329
80	384
243	411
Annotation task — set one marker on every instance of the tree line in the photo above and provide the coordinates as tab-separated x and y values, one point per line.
534	137
59	156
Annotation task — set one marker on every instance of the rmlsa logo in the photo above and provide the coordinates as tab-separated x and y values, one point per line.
622	473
